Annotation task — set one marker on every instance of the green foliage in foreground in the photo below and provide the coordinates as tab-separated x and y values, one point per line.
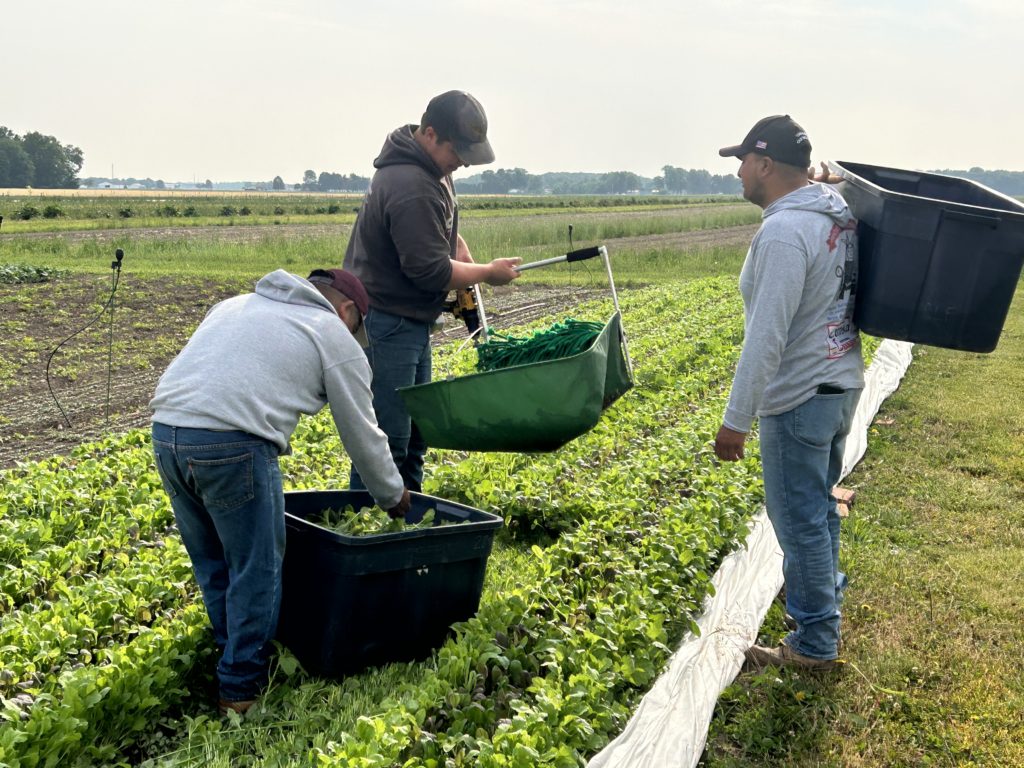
604	563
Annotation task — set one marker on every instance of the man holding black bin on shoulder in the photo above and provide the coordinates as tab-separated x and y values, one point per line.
800	373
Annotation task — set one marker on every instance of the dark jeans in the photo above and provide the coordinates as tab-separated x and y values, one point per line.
225	489
399	355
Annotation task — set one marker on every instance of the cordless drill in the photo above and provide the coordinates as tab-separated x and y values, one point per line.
464	307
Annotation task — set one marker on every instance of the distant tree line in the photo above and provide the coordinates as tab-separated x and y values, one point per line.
1007	182
676	181
696	181
332	182
679	181
673	180
35	160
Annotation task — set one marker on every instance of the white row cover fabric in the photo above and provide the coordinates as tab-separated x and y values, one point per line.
669	728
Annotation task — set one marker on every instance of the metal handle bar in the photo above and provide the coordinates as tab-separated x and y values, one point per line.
580	255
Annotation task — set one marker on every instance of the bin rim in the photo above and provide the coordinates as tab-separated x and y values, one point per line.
839	168
489	522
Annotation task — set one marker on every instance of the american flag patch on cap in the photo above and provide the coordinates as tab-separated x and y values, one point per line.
761	145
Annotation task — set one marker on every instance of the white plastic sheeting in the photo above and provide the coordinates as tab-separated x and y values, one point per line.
669	728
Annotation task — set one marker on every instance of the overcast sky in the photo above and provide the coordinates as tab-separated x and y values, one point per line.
233	90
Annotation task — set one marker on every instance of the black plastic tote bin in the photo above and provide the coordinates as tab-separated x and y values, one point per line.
352	602
940	256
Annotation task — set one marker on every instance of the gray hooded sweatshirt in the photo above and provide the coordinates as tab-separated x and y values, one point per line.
260	360
798	282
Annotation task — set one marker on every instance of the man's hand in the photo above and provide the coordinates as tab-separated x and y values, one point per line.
402	506
823	175
729	444
502	271
498	272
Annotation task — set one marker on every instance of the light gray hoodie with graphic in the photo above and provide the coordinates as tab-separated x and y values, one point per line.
260	360
798	283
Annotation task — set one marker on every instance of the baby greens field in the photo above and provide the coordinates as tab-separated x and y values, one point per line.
601	567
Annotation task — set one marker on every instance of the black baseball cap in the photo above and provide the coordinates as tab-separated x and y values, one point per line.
459	118
779	137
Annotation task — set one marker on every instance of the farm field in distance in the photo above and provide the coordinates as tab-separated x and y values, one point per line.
172	274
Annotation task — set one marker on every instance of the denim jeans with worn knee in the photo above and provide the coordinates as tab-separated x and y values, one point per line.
225	489
399	355
802	457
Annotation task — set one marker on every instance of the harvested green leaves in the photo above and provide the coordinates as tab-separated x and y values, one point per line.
564	338
368	521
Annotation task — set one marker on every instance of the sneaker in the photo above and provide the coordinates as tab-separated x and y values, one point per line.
241	707
759	656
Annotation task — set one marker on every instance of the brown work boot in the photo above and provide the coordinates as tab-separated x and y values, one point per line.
759	657
241	707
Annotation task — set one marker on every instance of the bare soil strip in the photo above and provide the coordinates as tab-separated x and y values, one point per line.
152	321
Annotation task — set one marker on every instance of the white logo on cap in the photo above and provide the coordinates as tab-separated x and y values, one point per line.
761	145
801	138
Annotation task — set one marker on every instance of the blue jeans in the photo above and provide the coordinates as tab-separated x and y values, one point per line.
802	457
225	489
399	355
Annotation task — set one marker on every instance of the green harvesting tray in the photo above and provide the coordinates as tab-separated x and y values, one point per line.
529	408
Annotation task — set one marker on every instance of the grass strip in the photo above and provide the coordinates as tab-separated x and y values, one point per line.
934	549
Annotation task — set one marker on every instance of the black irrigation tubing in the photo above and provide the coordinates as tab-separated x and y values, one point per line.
565	338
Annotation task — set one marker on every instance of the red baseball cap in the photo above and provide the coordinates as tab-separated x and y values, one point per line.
346	283
352	288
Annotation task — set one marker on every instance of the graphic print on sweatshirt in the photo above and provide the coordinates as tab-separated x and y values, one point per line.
840	330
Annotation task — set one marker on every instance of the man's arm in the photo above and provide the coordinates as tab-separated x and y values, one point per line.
498	272
462	251
347	385
418	234
778	285
466	272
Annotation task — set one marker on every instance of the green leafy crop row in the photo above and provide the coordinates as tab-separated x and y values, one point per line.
548	671
607	554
